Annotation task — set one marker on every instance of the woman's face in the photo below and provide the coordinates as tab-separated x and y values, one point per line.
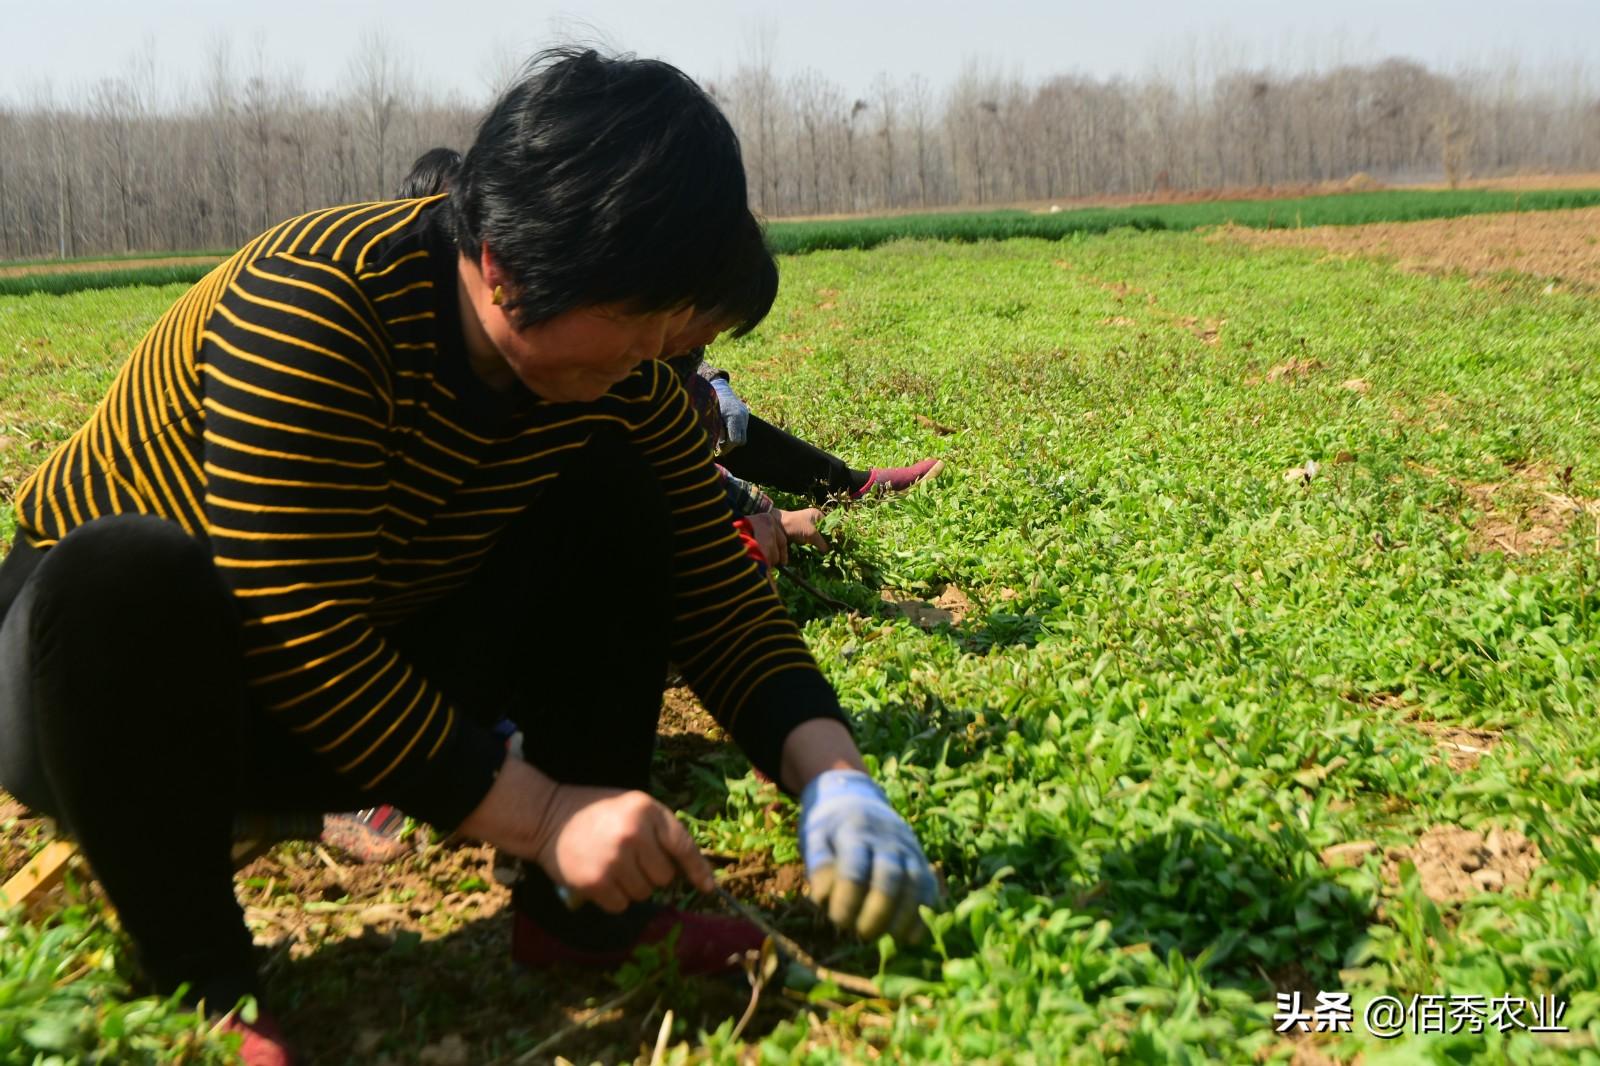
579	356
697	332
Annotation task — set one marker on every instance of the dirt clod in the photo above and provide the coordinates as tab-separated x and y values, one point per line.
1455	863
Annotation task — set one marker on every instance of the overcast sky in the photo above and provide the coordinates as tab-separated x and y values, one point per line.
453	46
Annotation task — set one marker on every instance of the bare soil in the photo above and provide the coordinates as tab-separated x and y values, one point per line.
1561	248
1452	863
949	608
1530	510
1523	182
410	961
1455	864
1461	748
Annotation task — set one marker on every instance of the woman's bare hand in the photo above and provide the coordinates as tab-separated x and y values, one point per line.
611	846
615	847
800	527
770	537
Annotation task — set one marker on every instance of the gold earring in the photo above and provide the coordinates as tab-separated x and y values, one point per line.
498	297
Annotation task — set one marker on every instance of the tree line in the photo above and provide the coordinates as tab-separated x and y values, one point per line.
122	166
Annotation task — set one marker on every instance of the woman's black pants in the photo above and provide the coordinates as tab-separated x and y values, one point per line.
780	460
124	712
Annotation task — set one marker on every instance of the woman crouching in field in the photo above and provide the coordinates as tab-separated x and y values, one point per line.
394	472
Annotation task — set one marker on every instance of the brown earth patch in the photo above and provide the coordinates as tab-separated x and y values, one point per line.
1560	246
1523	182
686	737
1452	863
23	270
1455	864
410	961
1461	748
1294	369
949	608
352	954
1209	331
21	834
761	880
682	714
1529	511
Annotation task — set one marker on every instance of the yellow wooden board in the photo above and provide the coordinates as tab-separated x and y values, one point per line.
43	872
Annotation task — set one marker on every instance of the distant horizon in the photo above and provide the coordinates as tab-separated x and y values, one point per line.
848	44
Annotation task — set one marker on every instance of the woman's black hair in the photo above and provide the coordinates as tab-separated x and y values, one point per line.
431	174
753	289
598	179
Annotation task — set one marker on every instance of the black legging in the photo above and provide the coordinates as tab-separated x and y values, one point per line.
782	461
124	713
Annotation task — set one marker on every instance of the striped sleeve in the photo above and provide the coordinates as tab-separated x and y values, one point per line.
297	407
733	639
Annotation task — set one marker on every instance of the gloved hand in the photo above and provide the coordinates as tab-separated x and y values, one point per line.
735	415
864	863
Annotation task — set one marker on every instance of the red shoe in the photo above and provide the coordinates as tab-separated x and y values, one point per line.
263	1042
370	836
707	943
897	478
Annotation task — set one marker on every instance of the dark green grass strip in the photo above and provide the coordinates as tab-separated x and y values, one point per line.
1340	210
79	281
118	257
795	238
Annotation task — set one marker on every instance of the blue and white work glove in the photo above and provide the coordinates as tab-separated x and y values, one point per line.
862	859
735	415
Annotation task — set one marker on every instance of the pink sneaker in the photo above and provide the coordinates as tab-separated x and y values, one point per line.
882	479
264	1043
370	836
707	943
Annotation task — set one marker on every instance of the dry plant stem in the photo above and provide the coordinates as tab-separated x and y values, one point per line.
848	981
660	1054
756	985
340	874
578	1026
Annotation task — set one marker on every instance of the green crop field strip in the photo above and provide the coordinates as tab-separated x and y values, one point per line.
1243	556
1345	209
794	238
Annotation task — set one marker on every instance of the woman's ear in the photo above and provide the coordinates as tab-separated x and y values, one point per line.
493	276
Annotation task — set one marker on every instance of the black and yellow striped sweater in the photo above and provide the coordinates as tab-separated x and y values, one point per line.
307	410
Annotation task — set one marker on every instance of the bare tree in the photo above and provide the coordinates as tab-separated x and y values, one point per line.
886	99
260	113
220	116
124	164
379	82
